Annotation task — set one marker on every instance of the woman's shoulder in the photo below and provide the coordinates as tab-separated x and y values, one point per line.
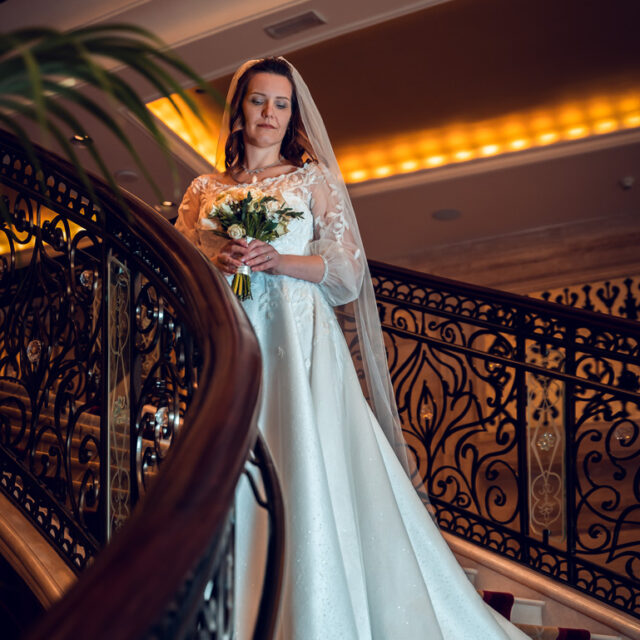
320	176
315	172
206	179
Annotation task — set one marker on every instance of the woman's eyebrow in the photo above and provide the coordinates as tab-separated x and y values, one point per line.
259	93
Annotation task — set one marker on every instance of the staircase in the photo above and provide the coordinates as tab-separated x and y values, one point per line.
522	419
528	614
523	422
100	329
77	451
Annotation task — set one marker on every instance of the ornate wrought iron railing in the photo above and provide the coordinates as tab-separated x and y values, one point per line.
115	338
616	296
523	420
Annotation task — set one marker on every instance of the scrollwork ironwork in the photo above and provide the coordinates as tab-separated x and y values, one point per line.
98	367
495	392
82	357
203	607
618	297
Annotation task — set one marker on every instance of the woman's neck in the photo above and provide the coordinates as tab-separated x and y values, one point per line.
257	157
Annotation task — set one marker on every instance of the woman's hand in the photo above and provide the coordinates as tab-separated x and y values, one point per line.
232	255
261	256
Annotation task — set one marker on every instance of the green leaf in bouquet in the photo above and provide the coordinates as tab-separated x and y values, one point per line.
270	225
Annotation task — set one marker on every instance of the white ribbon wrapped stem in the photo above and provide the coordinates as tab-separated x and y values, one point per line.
245	270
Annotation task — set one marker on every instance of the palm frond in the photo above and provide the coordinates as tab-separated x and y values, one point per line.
35	61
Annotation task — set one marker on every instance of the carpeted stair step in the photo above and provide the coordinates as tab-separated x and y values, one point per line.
553	633
504	602
521	610
507	605
526	614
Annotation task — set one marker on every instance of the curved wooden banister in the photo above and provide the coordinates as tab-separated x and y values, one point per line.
133	580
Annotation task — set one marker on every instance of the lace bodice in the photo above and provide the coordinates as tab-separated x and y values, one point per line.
322	230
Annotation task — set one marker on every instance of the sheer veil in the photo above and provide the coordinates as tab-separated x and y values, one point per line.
368	348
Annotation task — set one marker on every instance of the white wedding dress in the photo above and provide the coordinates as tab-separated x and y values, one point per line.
364	560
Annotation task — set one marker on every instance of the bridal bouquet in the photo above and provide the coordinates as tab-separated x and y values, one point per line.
252	214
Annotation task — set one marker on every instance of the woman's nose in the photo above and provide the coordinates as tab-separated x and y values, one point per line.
267	108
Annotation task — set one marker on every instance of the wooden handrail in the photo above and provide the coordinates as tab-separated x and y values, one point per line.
572	314
135	577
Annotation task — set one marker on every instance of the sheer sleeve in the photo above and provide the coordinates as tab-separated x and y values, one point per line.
193	224
334	242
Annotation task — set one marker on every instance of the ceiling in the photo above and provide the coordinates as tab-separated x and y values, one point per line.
379	69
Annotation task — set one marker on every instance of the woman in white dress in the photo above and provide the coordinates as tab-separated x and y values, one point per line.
364	560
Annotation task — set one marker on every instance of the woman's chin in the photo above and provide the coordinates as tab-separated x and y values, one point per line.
264	138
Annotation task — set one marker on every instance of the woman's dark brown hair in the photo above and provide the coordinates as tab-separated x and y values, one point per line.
295	148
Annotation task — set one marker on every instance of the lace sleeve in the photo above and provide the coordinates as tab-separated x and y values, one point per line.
189	221
334	242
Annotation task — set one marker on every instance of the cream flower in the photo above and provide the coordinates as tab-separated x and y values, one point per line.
256	200
236	231
272	209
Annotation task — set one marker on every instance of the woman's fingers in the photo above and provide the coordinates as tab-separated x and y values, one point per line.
258	255
262	257
227	263
232	255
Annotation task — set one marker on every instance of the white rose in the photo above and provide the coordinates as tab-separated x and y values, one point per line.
281	229
255	206
236	231
272	207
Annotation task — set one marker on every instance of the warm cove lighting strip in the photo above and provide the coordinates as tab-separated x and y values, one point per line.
434	148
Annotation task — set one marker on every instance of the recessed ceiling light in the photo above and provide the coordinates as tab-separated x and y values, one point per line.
627	182
444	215
80	140
167	210
126	176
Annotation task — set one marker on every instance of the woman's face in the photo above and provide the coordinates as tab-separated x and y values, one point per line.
267	109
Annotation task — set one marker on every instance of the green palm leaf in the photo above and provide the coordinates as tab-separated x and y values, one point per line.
34	61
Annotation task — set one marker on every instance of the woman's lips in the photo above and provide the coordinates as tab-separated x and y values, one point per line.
266	126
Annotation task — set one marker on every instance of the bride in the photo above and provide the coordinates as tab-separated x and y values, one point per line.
364	559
